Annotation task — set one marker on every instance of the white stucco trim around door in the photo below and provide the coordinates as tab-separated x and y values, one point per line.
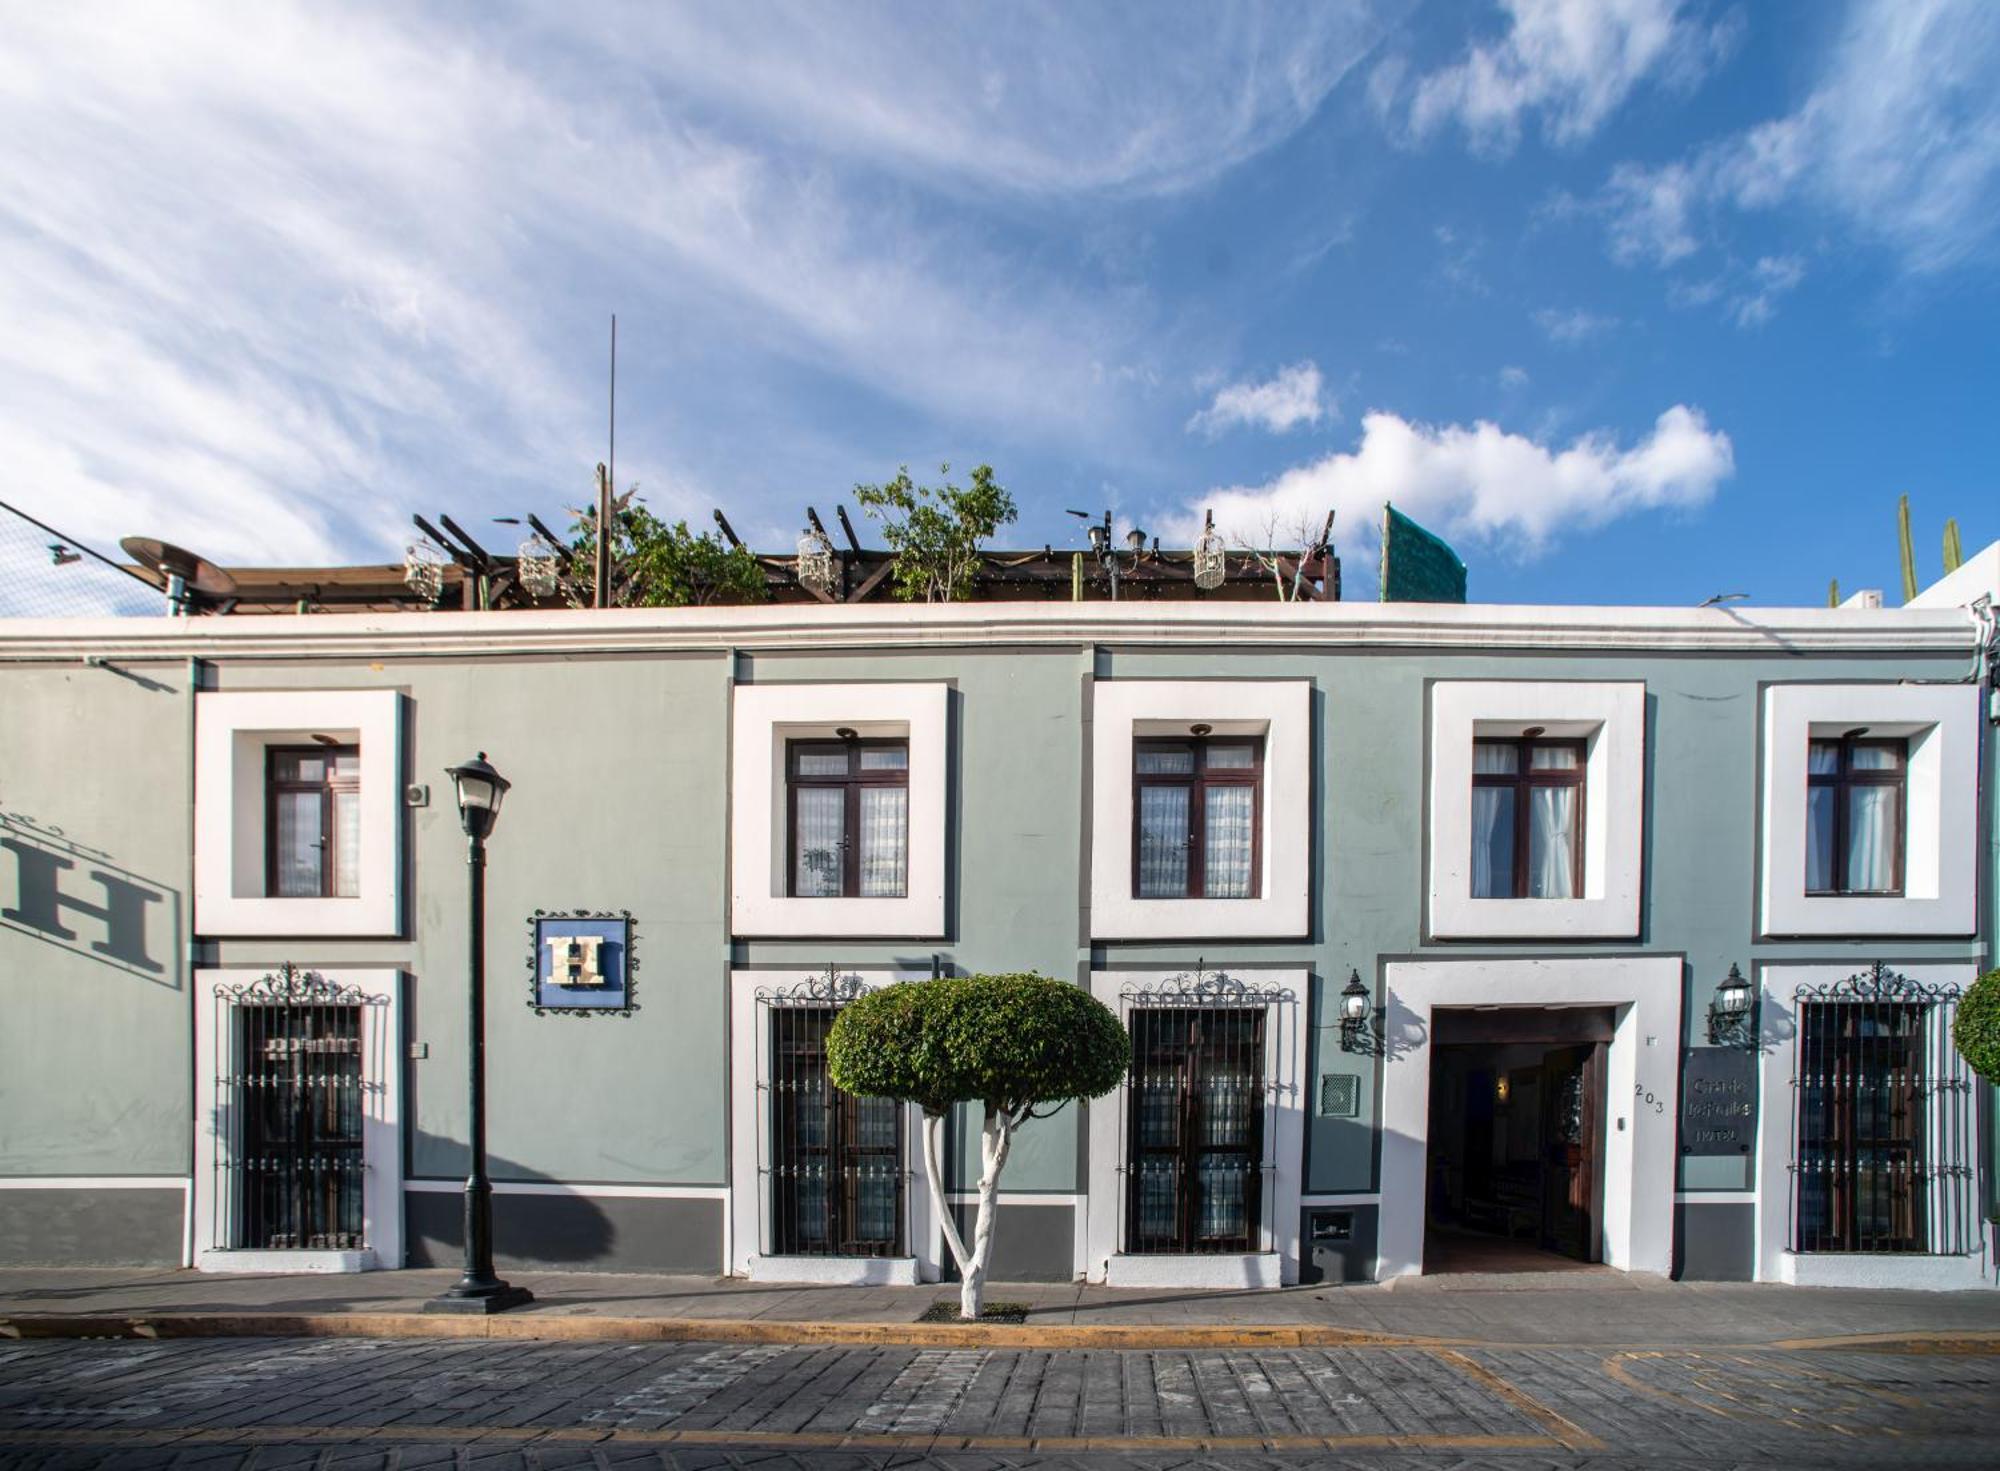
215	1037
763	718
750	995
1777	1025
1280	711
1282	993
1641	1089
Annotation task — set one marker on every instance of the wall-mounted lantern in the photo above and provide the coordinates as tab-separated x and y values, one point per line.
1360	1019
1729	1012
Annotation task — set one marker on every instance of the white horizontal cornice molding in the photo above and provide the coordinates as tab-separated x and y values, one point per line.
1479	627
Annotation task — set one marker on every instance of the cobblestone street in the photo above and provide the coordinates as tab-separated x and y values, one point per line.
224	1403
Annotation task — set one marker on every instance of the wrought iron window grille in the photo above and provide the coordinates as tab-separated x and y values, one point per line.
1195	1173
1883	1134
289	1102
833	1167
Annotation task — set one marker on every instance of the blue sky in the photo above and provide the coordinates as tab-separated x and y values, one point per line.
1635	300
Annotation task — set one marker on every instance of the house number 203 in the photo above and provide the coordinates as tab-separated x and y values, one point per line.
1639	1092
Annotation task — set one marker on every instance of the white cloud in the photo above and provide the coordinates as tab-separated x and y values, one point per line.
1513	376
1572	326
1573	62
1900	139
272	277
1042	97
1296	396
1480	482
1771	277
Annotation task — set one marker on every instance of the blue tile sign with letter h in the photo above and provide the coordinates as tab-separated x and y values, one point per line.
582	962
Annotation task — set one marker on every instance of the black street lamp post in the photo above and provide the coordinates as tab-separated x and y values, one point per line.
479	788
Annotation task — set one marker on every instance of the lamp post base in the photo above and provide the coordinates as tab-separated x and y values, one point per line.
497	1298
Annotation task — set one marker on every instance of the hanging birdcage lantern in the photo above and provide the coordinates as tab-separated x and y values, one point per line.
540	567
1211	564
816	565
423	570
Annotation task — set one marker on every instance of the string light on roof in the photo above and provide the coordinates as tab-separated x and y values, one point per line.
1211	563
540	566
816	564
423	570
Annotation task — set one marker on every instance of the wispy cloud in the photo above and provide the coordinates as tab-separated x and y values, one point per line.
1572	63
1899	141
1481	481
273	276
1573	325
1296	395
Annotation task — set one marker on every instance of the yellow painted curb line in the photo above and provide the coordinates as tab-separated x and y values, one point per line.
551	1327
1967	1342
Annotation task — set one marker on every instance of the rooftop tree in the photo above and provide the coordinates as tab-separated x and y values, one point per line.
935	532
1019	1045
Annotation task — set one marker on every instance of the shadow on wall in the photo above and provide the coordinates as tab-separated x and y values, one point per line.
529	1229
73	896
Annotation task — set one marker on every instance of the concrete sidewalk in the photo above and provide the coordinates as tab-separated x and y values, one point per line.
1599	1308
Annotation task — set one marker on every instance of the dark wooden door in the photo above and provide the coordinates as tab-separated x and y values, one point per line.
1573	1150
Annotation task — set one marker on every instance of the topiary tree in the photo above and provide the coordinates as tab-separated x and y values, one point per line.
1976	1031
1016	1044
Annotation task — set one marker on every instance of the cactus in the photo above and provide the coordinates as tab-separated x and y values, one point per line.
1833	593
1954	555
1909	554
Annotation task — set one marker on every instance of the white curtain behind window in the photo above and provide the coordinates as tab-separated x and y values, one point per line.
1226	814
1871	838
1551	855
1819	839
1492	843
1163	834
821	817
884	842
299	847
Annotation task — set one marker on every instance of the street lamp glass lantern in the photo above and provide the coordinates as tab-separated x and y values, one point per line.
480	790
1354	999
1732	995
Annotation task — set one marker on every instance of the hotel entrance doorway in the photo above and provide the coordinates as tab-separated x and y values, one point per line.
1516	1140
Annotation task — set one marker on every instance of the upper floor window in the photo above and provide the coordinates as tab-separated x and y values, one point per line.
850	818
1854	815
314	828
1196	816
1527	818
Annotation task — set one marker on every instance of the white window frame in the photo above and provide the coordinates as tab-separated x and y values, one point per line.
766	716
1940	824
1610	718
749	1199
381	1131
1777	1026
234	732
1282	993
1125	710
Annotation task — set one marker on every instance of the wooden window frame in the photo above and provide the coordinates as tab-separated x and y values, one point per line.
851	784
1523	778
1197	782
1839	782
329	870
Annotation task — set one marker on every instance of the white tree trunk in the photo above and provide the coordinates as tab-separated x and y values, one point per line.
934	1173
996	1137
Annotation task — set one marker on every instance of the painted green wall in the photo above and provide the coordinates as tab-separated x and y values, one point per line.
94	1025
619	767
